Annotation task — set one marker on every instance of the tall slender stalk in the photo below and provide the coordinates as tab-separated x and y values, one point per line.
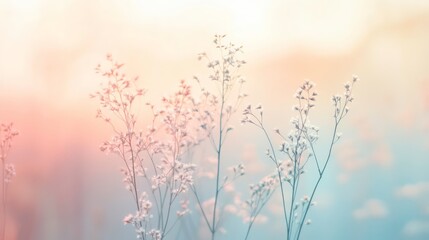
218	152
224	74
7	133
299	148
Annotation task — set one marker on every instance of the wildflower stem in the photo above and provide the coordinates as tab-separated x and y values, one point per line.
314	154
248	229
201	207
3	218
256	213
275	160
280	181
157	202
318	180
219	151
278	171
7	171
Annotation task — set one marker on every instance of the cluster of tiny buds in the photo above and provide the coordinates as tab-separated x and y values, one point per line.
286	170
284	147
7	134
9	172
155	234
127	180
341	108
175	122
239	170
248	109
297	145
221	68
263	188
119	93
145	205
248	115
184	205
306	97
303	204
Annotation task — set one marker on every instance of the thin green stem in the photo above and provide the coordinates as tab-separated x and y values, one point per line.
219	151
278	175
320	177
201	208
253	218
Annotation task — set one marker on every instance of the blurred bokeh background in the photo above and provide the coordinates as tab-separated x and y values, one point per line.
377	186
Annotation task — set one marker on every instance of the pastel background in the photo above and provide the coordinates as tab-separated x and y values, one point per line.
377	186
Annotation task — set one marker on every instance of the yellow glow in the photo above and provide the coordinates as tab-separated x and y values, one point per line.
248	17
23	4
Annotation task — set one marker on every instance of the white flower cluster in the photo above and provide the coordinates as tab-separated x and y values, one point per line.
156	167
298	146
154	159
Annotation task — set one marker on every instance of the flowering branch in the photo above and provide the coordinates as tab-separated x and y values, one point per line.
298	146
162	147
220	110
7	134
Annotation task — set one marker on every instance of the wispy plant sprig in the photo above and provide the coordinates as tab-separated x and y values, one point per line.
260	194
7	134
223	102
298	146
155	170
